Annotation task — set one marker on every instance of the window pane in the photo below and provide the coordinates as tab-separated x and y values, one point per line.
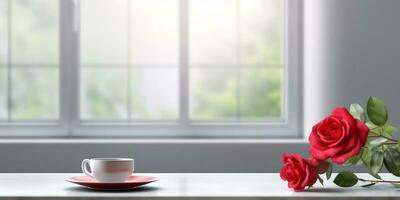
246	36
3	93
3	32
213	94
261	93
213	32
154	93
261	32
34	37
154	32
35	93
104	93
104	31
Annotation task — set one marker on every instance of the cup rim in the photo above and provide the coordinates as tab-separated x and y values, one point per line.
112	159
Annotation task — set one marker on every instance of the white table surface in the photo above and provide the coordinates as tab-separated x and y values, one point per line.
186	186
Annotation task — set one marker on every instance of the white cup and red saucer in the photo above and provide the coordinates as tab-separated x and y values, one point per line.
110	174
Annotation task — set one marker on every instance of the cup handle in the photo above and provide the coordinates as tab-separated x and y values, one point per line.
86	167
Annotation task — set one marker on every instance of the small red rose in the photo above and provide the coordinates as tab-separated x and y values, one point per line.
298	172
339	137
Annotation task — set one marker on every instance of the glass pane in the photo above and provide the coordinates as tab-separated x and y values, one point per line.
213	32
3	93
213	94
104	31
34	36
261	32
3	32
35	93
261	93
103	93
154	93
154	32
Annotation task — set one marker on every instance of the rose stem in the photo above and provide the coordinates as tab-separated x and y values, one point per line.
391	142
388	138
377	181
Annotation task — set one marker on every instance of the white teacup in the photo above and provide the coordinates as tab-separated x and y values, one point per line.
109	170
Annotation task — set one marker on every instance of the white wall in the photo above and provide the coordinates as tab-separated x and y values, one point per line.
149	157
352	51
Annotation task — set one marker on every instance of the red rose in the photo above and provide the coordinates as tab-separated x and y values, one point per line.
298	172
339	136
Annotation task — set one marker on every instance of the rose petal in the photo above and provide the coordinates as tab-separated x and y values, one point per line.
344	114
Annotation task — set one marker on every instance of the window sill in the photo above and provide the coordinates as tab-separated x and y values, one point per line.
153	141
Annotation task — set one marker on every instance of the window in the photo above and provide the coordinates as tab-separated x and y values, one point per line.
150	68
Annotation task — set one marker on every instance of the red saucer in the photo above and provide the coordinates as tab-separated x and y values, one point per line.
132	182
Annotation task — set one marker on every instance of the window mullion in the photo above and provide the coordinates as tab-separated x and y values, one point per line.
9	73
69	75
184	62
129	66
238	61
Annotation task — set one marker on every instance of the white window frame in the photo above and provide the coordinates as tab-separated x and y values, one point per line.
69	124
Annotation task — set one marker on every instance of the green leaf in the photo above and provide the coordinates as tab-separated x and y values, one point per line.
366	156
355	160
375	175
329	171
357	112
388	131
377	111
370	125
346	179
392	160
376	162
372	143
369	184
